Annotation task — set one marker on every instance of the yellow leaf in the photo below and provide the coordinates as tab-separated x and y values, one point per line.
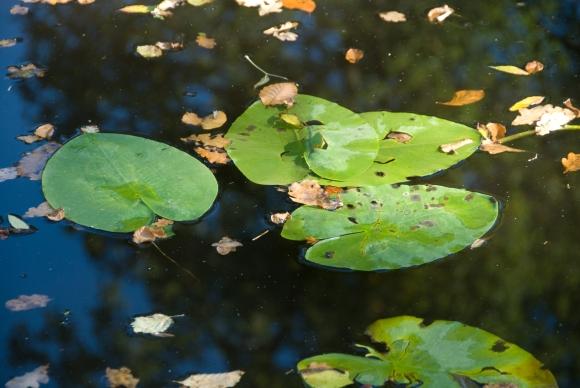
137	8
353	55
149	51
292	120
526	102
203	41
464	97
571	163
510	69
303	5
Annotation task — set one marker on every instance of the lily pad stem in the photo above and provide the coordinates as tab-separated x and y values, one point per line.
247	57
174	262
532	132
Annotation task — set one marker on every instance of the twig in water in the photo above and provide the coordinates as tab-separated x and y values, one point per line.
174	262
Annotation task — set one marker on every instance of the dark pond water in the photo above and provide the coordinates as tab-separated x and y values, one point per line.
261	309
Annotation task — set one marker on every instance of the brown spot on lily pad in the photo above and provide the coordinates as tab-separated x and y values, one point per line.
499	346
328	254
469	197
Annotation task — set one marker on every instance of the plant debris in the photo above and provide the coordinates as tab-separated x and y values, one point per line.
547	118
27	302
162	228
439	14
282	93
42	132
226	245
212	380
393	17
309	192
264	6
451	148
19	10
121	378
213	154
283	31
464	97
302	5
156	50
9	42
353	55
571	162
155	324
531	67
204	41
27	70
279	218
214	120
526	102
45	210
31	379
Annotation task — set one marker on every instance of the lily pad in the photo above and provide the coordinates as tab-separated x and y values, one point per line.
329	141
438	354
119	183
390	227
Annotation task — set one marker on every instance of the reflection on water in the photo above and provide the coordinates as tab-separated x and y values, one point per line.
260	309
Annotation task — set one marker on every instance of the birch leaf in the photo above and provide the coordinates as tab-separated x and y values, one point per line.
510	69
155	324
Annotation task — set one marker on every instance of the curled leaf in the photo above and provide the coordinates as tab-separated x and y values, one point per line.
451	148
309	192
464	97
283	31
571	162
533	67
278	94
568	104
279	218
526	102
439	14
226	245
353	55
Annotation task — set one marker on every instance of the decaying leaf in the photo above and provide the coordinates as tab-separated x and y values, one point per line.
89	129
451	148
309	192
28	70
9	42
571	162
401	137
279	93
213	155
226	245
45	210
157	230
526	102
353	55
208	140
547	118
302	5
42	132
478	243
568	104
393	17
279	218
121	378
496	148
265	6
212	380
492	131
8	173
198	3
149	51
137	8
27	302
155	324
204	41
283	31
439	14
533	67
212	121
32	163
19	10
31	379
464	97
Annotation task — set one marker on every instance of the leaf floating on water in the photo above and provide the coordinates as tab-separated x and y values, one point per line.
31	379
393	17
212	380
208	139
526	102
439	14
510	69
121	378
45	210
19	10
8	173
309	192
137	8
353	55
155	324
226	245
533	67
212	121
203	41
149	51
464	97
302	5
160	229
451	148
553	119
197	3
279	94
33	162
265	6
492	131
571	162
9	42
43	132
17	222
213	155
27	302
279	218
28	70
90	129
568	104
496	148
478	243
283	32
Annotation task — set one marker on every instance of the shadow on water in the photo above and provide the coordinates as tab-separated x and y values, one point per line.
259	309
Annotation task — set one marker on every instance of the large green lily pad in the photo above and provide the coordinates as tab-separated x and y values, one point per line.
390	227
119	183
332	142
439	354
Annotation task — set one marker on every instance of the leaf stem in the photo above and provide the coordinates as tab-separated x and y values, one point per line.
531	132
174	262
247	57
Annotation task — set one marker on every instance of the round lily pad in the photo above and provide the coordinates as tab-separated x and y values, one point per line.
119	183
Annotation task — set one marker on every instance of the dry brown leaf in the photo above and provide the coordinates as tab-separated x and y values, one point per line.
451	148
18	10
150	233
309	192
533	67
43	132
496	148
203	41
57	215
191	118
28	139
212	121
208	140
213	155
568	104
31	379
226	245
492	131
353	55
401	137
514	70
302	5
439	14
528	116
547	118
464	97
393	17
279	93
311	240
122	377
571	162
283	31
279	218
45	210
85	2
526	102
170	46
27	302
212	380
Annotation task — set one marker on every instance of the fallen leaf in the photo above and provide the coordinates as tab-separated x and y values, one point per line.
28	70
309	192
279	218
170	46
198	3
212	380
451	148
155	324
85	2
265	6
44	131
478	243
292	120
208	140
492	131
439	14
401	137
212	121
226	245
45	210
528	116
90	129
17	223
31	379
553	119
149	233
568	104
311	240
510	69
533	67
27	302
393	17
18	10
279	93
571	163
213	155
32	163
191	118
464	97
8	173
526	102
149	51
9	42
136	8
353	55
283	31
302	5
203	41
496	148
121	378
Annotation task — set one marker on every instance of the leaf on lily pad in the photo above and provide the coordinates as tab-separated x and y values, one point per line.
31	379
155	324
212	380
282	93
45	210
121	378
226	245
204	41
571	162
410	351
353	55
120	183
302	5
28	70
214	120
464	97
393	17
27	302
451	148
284	31
385	227
309	192
439	14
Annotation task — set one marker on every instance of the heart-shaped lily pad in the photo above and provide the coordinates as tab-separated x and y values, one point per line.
386	227
329	141
438	354
119	183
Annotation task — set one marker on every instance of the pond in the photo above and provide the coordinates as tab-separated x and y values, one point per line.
265	307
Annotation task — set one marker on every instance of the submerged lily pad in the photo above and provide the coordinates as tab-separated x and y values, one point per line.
438	354
386	227
119	183
329	140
